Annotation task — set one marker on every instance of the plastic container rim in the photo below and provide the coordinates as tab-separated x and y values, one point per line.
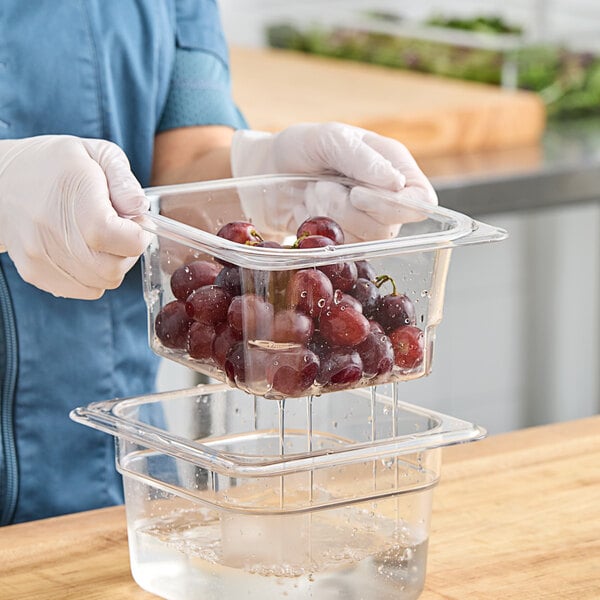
462	229
105	416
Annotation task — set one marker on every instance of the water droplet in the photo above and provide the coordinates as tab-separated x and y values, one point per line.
387	463
321	302
425	294
303	294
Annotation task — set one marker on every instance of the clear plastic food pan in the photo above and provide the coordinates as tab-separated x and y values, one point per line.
229	495
249	281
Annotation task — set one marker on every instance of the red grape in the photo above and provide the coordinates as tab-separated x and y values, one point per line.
377	354
208	304
190	277
251	316
375	327
292	372
245	364
318	345
172	324
340	367
229	280
367	293
241	232
269	244
292	326
343	326
365	270
235	363
395	310
225	338
342	275
200	340
342	299
407	342
309	291
321	226
314	241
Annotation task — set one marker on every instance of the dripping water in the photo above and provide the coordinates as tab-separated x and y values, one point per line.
395	391
309	442
255	413
373	432
281	408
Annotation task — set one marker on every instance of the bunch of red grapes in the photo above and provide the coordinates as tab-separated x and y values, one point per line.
331	325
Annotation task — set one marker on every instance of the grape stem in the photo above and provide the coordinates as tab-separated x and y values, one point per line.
300	238
381	279
258	240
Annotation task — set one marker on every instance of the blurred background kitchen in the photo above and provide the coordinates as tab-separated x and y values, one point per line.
500	102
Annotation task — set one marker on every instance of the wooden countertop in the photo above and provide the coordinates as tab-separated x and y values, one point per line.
433	116
516	517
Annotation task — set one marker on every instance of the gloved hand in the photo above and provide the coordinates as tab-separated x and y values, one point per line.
335	148
64	208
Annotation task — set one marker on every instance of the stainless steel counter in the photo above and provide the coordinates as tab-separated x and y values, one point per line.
563	169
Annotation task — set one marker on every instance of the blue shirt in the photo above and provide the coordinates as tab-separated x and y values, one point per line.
120	70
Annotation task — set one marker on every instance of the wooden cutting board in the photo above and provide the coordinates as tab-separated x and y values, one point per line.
432	115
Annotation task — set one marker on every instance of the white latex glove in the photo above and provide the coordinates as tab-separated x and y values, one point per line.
282	209
335	148
64	208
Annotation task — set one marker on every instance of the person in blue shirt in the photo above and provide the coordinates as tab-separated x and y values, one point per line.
99	99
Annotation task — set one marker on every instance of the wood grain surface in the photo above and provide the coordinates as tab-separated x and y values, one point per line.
516	517
432	115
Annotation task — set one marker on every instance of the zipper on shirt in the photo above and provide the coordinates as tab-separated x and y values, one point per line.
9	475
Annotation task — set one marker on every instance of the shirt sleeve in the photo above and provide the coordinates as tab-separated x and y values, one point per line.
200	93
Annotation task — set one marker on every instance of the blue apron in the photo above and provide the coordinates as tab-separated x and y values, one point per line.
99	69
